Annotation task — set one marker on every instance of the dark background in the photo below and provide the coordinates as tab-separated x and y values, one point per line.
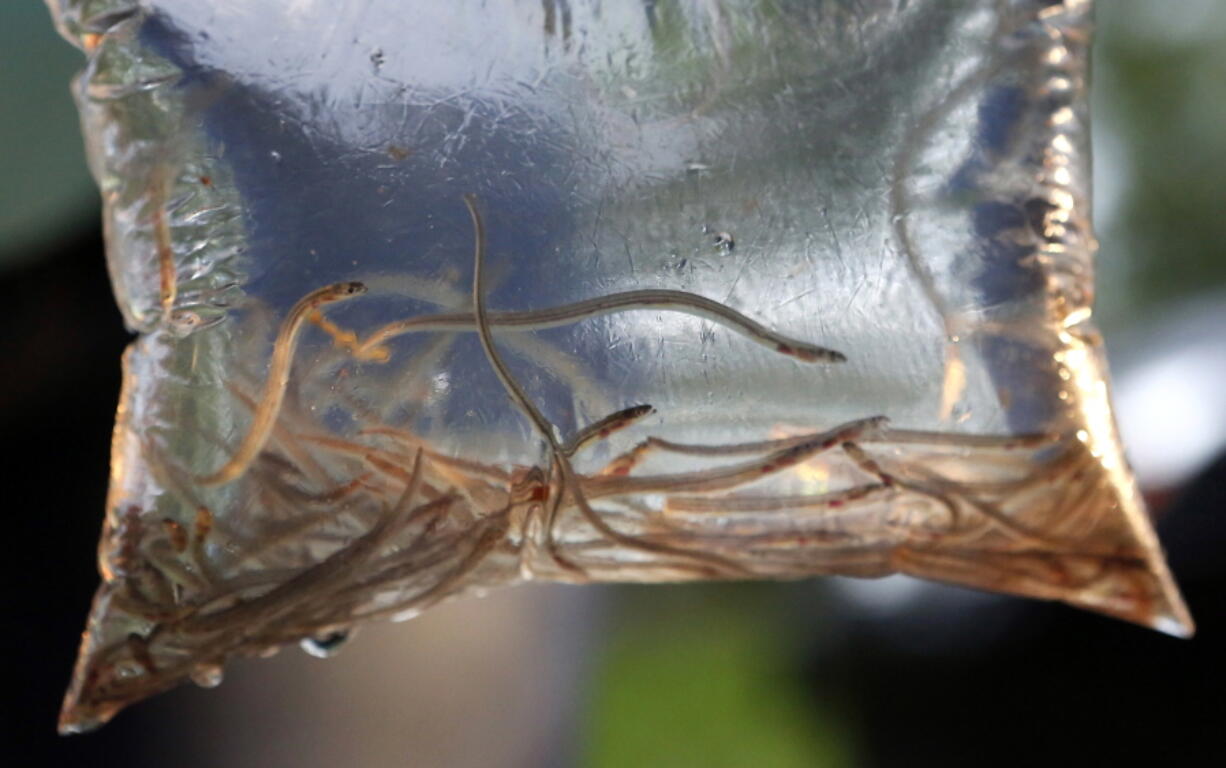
950	679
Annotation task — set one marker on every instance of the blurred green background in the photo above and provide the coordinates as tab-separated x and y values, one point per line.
45	190
1159	99
768	675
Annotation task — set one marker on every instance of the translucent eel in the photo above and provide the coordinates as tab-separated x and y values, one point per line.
303	461
564	367
600	430
407	438
627	461
466	474
759	504
334	569
427	553
278	378
944	491
167	280
248	623
732	476
568	314
713	564
785	451
493	534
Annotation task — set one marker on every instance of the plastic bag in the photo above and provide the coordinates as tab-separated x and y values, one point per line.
441	296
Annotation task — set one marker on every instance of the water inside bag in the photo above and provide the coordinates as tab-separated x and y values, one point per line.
437	297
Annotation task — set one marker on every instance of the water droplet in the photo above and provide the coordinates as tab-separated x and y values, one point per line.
326	645
275	155
207	675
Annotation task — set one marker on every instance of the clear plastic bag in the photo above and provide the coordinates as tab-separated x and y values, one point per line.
441	296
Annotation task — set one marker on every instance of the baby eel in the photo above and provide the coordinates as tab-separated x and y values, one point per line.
568	314
168	289
734	475
278	378
605	427
333	569
760	504
714	564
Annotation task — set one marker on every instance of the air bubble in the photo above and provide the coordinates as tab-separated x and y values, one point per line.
327	645
207	675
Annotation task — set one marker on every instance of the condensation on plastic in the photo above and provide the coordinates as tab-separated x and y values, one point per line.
903	182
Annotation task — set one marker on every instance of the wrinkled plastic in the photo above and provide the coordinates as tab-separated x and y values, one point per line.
435	297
